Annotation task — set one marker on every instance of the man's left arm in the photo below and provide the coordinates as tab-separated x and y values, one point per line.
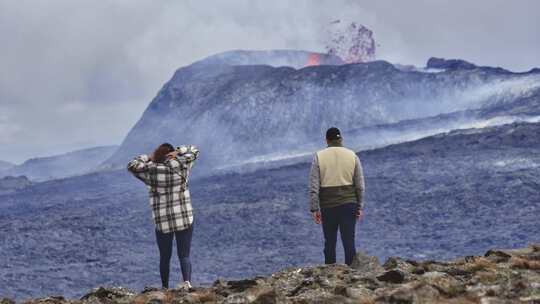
314	188
359	185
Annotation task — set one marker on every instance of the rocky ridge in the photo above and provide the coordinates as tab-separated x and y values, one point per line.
500	276
62	165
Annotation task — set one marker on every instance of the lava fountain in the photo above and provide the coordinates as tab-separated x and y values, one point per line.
351	42
313	59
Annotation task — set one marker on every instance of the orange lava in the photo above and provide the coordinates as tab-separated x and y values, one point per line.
313	59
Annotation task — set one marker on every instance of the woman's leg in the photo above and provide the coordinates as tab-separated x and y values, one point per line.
164	242
183	246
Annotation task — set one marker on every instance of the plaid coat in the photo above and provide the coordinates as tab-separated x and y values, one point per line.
168	188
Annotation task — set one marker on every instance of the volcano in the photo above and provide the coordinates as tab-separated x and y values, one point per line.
247	106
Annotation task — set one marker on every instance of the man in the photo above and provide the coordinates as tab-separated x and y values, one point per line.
336	195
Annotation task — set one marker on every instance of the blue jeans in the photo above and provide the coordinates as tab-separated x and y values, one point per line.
342	217
183	245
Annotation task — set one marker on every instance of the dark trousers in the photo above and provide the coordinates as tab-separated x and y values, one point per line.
342	217
183	245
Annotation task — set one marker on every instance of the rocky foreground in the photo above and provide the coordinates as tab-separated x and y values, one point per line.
500	276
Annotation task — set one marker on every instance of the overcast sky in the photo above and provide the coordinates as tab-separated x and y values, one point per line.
78	74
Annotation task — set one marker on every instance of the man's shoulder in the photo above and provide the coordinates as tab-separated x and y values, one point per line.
353	153
340	149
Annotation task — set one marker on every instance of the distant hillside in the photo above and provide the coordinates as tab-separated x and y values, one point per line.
4	165
64	165
10	184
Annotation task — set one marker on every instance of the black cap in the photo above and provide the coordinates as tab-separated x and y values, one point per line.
333	134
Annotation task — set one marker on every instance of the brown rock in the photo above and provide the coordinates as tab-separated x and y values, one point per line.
497	256
479	263
407	267
430	266
517	262
413	292
261	295
392	276
157	296
480	290
367	264
370	283
444	283
204	296
529	253
486	277
109	294
493	300
241	285
424	293
48	300
359	293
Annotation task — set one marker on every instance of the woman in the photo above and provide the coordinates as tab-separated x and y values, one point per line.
166	173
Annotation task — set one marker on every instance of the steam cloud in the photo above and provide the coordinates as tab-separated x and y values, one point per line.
80	74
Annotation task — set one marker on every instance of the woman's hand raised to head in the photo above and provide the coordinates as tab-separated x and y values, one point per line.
172	154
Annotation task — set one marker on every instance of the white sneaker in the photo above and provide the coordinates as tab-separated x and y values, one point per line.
186	285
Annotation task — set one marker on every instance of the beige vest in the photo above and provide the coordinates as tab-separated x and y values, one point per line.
336	166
